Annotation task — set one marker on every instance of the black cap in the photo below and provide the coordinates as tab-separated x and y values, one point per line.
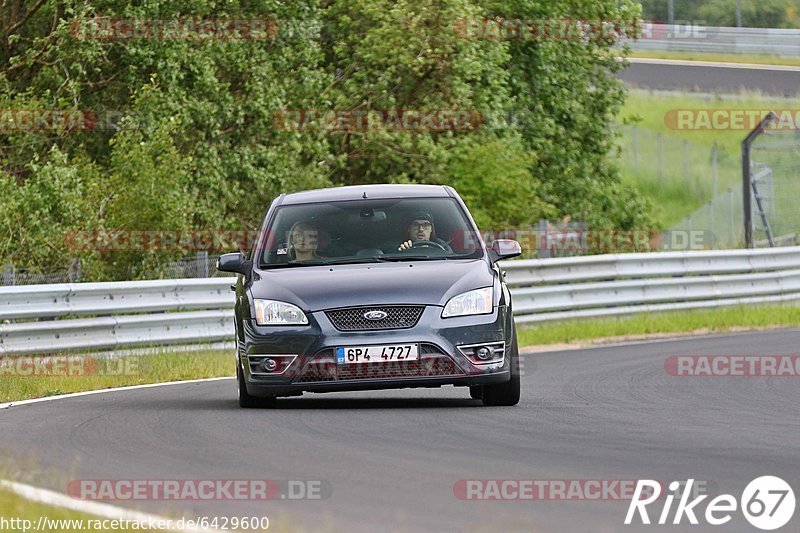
421	215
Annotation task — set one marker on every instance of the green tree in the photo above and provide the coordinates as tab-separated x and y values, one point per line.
755	14
566	97
761	14
187	138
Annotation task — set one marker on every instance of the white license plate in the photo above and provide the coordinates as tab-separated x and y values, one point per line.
376	354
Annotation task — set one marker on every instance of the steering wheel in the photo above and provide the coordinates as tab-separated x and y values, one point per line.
428	244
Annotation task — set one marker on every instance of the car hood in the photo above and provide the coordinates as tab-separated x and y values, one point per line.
315	288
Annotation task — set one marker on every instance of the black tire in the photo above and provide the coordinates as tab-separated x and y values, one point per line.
476	392
246	400
505	394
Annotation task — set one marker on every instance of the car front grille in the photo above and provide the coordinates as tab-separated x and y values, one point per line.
397	317
432	363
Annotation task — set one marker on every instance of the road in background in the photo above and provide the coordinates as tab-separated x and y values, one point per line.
393	458
712	77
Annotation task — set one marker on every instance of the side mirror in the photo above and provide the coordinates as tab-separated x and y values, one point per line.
504	249
234	263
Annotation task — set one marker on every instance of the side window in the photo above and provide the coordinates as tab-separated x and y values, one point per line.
275	247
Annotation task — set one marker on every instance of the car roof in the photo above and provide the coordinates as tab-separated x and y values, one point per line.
355	192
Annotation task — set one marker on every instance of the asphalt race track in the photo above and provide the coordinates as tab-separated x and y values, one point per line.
392	458
688	76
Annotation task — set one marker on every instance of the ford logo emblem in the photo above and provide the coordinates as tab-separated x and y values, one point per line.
375	315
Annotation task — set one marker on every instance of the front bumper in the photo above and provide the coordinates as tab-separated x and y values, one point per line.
308	364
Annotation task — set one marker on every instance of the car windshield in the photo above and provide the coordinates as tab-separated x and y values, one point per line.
411	229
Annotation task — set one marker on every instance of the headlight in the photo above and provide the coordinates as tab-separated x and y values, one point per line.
272	313
477	302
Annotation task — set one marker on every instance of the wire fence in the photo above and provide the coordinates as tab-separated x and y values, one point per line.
721	219
26	276
775	170
202	265
775	195
676	165
706	183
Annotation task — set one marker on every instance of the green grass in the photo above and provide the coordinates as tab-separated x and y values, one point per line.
672	193
17	507
142	369
672	199
721	58
13	506
25	467
650	108
711	321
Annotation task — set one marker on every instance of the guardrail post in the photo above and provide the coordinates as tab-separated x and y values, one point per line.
733	218
738	13
714	170
8	275
543	240
713	236
686	162
202	265
74	272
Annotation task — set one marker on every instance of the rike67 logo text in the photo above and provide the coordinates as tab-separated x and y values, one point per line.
767	503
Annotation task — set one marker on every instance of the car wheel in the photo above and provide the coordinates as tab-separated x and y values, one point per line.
246	400
476	392
505	393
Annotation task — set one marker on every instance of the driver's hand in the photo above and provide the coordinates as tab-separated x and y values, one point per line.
406	246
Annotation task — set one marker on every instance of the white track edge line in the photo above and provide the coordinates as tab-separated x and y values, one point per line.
103	391
55	499
712	64
678	338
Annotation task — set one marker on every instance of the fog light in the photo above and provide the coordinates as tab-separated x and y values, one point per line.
269	364
485	353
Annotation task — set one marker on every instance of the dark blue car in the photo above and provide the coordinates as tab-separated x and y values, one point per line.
373	287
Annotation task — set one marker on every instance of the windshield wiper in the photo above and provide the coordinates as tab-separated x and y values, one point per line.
352	261
319	262
357	260
408	258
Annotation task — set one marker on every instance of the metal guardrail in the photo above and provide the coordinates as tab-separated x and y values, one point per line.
106	333
76	299
103	316
607	285
712	39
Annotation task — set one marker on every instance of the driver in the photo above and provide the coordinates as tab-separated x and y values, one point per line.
303	240
420	228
